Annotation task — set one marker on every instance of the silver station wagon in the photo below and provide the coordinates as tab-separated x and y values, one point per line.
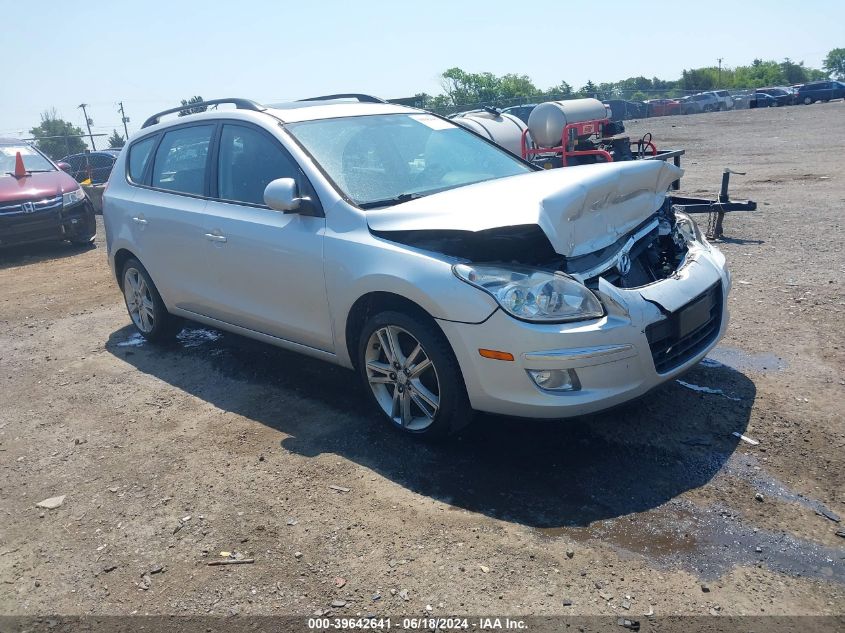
449	274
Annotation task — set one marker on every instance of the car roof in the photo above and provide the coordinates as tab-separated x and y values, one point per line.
289	112
107	152
297	111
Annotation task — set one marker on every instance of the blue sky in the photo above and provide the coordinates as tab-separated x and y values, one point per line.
152	54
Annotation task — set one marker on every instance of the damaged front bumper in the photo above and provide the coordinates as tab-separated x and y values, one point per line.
48	221
648	335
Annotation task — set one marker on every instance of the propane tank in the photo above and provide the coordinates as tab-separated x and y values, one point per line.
547	120
503	129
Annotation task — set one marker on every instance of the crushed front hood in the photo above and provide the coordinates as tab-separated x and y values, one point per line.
580	209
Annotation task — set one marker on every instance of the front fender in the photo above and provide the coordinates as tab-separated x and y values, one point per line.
358	263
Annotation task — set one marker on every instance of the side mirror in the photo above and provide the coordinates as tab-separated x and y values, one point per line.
282	195
63	166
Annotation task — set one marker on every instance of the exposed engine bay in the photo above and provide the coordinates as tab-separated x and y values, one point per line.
652	251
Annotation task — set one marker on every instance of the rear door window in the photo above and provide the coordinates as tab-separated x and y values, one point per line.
248	161
139	155
180	160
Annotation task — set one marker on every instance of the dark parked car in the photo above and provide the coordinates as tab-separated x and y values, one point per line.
782	96
820	91
521	112
95	166
622	110
39	201
764	100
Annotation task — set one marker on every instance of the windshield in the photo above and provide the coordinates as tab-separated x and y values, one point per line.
384	159
32	160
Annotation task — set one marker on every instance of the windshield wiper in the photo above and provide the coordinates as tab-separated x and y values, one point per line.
402	197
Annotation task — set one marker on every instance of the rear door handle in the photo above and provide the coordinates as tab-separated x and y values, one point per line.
138	220
215	238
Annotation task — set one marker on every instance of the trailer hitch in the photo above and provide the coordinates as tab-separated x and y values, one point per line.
715	209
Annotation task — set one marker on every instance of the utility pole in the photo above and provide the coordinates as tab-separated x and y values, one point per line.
88	123
125	120
720	72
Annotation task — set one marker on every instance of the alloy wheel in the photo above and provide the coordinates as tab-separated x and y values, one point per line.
139	300
403	378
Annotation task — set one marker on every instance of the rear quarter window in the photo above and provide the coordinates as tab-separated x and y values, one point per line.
139	155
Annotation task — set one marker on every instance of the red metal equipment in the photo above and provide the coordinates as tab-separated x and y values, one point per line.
580	131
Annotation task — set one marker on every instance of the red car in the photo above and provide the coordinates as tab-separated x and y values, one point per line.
38	201
663	107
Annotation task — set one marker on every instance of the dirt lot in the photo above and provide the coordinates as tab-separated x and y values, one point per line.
169	456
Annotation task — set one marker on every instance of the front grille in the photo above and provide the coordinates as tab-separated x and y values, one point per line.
670	346
22	206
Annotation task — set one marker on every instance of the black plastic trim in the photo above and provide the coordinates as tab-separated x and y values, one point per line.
240	104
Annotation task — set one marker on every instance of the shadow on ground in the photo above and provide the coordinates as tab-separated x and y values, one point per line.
541	474
27	254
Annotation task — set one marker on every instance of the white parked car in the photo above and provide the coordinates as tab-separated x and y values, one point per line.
726	101
449	274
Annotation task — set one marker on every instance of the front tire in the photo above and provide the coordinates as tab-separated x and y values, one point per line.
412	376
144	304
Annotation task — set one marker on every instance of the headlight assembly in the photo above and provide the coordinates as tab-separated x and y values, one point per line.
72	197
533	295
688	229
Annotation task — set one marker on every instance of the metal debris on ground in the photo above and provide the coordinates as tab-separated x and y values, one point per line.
52	503
633	625
745	438
709	390
231	561
824	512
339	488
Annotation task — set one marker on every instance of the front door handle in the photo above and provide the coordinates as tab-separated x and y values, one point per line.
140	221
214	237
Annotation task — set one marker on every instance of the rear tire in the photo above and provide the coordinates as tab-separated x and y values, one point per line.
144	304
412	376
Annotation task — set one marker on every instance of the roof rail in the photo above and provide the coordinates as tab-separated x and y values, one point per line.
240	104
348	95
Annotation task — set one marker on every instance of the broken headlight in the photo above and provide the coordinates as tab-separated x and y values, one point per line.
533	295
72	197
687	229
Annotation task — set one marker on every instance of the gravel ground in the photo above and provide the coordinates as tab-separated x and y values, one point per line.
167	457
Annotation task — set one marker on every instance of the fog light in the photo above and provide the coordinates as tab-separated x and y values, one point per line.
555	379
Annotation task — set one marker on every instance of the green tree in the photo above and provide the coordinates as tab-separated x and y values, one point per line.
116	141
192	110
834	63
561	91
56	137
589	89
517	86
699	79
